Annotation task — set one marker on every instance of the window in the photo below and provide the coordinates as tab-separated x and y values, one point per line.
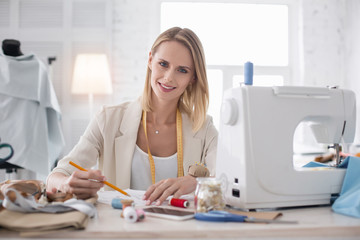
232	34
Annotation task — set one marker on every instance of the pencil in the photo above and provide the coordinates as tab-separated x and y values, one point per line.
106	182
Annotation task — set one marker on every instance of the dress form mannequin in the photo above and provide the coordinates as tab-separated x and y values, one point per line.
11	47
29	112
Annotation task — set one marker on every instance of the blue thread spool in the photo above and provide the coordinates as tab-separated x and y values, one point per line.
248	73
116	203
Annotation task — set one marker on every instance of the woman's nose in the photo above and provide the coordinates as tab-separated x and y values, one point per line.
169	75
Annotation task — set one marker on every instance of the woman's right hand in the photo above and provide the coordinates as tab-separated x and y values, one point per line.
83	184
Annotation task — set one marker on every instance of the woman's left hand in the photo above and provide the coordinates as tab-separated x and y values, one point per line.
177	187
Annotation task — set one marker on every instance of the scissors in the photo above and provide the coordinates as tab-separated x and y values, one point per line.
223	216
6	145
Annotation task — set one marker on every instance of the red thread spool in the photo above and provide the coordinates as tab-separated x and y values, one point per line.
177	202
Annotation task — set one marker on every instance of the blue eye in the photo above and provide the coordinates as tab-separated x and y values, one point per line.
163	64
183	70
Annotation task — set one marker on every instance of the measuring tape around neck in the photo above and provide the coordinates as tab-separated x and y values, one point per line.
178	142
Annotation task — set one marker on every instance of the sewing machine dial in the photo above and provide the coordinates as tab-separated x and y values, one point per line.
229	111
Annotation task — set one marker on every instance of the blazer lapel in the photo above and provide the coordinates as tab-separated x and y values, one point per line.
125	144
191	145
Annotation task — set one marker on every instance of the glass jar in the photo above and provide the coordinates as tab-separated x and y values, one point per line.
208	195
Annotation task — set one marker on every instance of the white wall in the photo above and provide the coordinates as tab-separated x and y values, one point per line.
331	53
352	54
135	28
323	31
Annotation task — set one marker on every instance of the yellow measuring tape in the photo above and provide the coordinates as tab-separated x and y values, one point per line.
179	146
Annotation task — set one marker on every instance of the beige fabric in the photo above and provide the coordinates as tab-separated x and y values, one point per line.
259	215
111	138
43	222
18	221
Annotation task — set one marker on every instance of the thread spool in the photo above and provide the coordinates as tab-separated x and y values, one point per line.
140	214
126	203
116	203
130	214
133	215
248	73
177	202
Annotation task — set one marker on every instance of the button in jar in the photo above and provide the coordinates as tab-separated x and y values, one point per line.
208	195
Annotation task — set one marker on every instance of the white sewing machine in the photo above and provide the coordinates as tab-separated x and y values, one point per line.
255	146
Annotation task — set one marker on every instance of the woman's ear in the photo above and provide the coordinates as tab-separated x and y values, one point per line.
193	80
150	60
191	83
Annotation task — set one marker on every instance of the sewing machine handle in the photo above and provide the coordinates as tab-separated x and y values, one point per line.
301	91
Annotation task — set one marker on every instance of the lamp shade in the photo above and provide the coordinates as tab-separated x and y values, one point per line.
91	75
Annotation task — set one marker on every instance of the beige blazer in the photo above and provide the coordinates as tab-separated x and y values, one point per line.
110	140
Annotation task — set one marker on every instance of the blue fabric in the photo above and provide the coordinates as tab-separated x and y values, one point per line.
315	164
349	201
343	164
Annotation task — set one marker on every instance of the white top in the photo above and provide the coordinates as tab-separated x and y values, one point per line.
165	167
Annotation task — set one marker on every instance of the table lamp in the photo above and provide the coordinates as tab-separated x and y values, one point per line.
91	76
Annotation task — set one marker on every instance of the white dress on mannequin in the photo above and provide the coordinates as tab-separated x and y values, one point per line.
29	113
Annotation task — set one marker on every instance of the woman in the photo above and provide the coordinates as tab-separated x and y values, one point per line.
150	143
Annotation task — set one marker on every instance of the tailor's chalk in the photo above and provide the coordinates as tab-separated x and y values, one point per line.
116	203
177	202
248	73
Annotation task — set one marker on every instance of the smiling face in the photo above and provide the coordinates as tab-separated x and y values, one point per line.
172	70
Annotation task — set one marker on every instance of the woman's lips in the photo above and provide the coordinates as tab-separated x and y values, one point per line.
166	88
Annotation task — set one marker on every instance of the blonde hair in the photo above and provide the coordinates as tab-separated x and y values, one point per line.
195	99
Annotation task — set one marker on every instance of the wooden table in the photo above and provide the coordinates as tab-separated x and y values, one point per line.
315	222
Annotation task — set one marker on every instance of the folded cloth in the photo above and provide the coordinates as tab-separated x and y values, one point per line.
36	222
42	222
348	203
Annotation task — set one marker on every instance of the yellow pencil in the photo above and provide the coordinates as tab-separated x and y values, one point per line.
106	182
